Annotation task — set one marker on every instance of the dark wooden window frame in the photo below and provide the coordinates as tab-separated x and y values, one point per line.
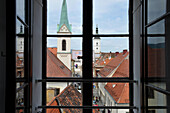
87	60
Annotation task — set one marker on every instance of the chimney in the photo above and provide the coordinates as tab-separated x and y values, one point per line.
117	53
124	51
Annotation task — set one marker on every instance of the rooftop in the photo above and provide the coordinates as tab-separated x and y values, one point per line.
55	68
113	64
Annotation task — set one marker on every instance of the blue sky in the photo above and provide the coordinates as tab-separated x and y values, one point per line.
110	15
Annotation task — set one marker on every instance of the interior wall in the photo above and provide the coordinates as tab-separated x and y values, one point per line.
2	54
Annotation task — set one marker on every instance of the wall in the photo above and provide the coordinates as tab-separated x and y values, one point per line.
65	59
2	58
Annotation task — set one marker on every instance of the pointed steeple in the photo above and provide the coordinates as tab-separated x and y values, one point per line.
64	17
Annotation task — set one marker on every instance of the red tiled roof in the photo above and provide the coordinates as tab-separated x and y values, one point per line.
120	92
113	64
96	111
53	50
53	102
123	69
70	96
55	68
156	62
19	60
104	59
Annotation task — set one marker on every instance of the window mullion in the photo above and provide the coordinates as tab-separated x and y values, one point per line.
87	54
44	40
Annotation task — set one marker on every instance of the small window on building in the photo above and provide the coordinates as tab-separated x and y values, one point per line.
96	43
56	91
64	45
97	48
150	93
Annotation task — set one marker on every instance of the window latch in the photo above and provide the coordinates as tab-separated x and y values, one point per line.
3	54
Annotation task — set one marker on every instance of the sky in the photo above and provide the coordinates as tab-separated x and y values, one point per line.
111	16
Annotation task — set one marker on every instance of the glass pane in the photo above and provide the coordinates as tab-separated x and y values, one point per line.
111	57
20	9
63	57
19	95
156	8
156	57
111	16
60	12
157	99
158	28
157	111
19	51
64	93
20	111
111	111
63	110
156	62
110	94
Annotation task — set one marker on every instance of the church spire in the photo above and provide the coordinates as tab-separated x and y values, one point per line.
64	17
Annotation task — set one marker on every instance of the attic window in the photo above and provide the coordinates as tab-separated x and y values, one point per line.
62	67
114	85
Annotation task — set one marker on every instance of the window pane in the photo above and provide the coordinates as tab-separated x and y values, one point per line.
61	12
158	28
157	111
19	51
64	63
64	93
20	111
110	94
111	16
63	110
156	8
20	9
156	62
111	111
159	99
111	57
19	95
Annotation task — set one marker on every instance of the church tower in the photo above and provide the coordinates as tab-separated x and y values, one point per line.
64	43
97	43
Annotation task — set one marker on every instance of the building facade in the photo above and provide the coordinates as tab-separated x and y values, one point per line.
64	43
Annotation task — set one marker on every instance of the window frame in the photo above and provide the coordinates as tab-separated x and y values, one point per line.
87	62
146	80
26	80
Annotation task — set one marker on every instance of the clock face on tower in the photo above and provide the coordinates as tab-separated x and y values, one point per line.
64	29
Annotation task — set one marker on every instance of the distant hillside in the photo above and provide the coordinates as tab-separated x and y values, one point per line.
158	45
